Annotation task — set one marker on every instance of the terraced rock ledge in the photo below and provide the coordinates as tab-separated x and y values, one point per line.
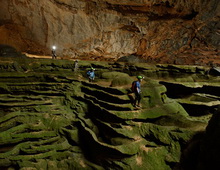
53	118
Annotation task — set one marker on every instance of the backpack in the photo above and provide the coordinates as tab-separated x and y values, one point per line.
88	73
133	86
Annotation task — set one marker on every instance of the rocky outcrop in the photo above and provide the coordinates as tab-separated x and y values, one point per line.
201	152
209	145
180	32
53	118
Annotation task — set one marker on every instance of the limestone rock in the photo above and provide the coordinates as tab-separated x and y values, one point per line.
52	117
180	32
209	145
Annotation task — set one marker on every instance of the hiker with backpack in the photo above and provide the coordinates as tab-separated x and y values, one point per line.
91	74
136	89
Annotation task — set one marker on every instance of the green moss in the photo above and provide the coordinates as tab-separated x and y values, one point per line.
120	81
52	118
111	75
46	148
4	88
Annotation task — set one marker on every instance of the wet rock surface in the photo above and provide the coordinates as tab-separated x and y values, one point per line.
53	118
175	32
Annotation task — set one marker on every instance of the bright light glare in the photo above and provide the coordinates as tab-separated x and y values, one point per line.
54	47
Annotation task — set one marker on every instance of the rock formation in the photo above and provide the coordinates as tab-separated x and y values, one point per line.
53	118
168	31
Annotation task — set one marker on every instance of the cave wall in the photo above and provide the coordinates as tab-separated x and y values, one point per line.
180	32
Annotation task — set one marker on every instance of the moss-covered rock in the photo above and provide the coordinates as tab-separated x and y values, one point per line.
112	75
52	118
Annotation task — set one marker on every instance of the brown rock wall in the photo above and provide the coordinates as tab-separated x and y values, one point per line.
162	31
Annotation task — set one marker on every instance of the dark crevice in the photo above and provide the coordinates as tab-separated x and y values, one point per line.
150	146
107	105
190	16
104	96
100	113
198	110
124	9
152	138
190	153
131	28
181	91
94	151
64	5
108	133
105	89
149	12
147	120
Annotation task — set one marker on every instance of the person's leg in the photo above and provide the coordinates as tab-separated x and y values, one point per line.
135	99
139	99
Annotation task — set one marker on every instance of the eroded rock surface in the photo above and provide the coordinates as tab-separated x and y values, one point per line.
177	32
53	118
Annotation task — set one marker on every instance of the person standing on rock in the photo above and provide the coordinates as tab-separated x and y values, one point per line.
76	65
91	74
54	56
136	88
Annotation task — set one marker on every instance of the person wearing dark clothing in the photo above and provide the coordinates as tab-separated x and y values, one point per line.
136	88
91	74
54	56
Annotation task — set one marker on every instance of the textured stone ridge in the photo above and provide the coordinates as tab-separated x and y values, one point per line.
165	31
53	118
